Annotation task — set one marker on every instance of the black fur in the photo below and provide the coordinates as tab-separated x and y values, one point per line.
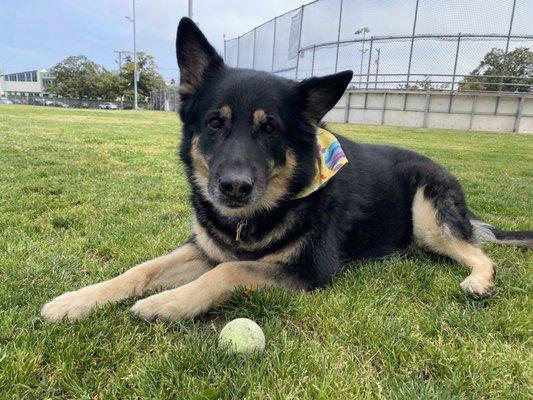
363	212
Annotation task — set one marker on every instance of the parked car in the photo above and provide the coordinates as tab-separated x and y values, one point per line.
48	102
5	100
16	101
37	101
58	103
107	106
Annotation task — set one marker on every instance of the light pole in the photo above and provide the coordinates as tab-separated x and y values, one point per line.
135	75
364	31
190	9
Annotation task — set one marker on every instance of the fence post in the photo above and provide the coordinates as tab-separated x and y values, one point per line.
313	60
338	37
299	42
369	62
411	49
377	69
348	104
253	54
456	58
518	116
504	69
274	44
238	48
224	37
454	71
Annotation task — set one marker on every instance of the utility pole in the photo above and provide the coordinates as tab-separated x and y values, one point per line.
120	52
189	14
135	74
364	31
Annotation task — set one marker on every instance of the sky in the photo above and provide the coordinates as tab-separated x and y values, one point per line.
36	34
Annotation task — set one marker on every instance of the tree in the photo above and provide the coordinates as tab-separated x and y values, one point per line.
110	85
149	77
76	77
517	68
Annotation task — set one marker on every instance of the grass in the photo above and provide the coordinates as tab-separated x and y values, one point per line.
84	195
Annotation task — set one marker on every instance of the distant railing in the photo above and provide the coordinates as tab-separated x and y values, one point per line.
426	44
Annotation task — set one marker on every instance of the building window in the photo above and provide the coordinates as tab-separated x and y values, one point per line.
34	76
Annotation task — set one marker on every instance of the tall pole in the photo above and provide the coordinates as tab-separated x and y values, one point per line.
362	58
119	52
364	31
504	69
338	37
135	77
411	49
189	13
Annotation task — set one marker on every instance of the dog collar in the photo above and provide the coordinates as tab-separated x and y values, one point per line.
330	159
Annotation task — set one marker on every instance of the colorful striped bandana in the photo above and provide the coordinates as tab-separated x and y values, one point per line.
330	159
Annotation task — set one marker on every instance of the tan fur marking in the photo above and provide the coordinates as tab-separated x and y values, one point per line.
259	117
211	289
208	245
429	234
287	254
177	268
225	112
200	168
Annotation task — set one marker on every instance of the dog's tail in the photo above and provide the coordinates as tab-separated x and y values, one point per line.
484	232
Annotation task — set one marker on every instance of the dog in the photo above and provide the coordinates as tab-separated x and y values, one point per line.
279	201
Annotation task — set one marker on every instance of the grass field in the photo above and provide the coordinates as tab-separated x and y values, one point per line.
84	195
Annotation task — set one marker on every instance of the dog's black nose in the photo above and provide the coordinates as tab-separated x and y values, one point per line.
236	185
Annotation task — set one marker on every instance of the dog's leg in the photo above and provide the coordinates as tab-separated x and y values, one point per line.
177	268
435	235
213	288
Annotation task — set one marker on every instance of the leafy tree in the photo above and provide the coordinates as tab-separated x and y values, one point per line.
79	77
110	85
517	67
149	77
76	77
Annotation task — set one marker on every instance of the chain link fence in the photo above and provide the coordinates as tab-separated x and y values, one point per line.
397	44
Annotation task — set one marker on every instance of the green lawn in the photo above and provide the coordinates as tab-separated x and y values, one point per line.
84	195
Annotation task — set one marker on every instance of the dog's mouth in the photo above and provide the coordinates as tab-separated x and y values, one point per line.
232	202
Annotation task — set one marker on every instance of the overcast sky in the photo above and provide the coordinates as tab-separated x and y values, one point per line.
36	34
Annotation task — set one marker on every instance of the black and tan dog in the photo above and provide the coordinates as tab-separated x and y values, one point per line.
250	150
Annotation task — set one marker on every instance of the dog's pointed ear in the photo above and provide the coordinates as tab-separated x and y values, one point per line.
195	56
320	94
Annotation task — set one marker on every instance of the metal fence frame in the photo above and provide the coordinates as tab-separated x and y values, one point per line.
452	79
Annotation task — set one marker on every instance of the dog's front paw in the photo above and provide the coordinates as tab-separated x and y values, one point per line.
171	305
478	286
69	306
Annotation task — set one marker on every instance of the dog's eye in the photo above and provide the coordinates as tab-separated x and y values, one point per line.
215	123
269	127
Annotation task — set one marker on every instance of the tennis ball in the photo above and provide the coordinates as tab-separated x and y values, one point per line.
242	336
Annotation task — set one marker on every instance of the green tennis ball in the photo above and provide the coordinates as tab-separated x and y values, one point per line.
242	336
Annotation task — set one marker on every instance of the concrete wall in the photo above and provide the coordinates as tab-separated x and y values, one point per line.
465	111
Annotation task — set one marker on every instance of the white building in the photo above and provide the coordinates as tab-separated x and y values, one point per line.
28	83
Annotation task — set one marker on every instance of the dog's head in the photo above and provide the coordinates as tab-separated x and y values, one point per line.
249	136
